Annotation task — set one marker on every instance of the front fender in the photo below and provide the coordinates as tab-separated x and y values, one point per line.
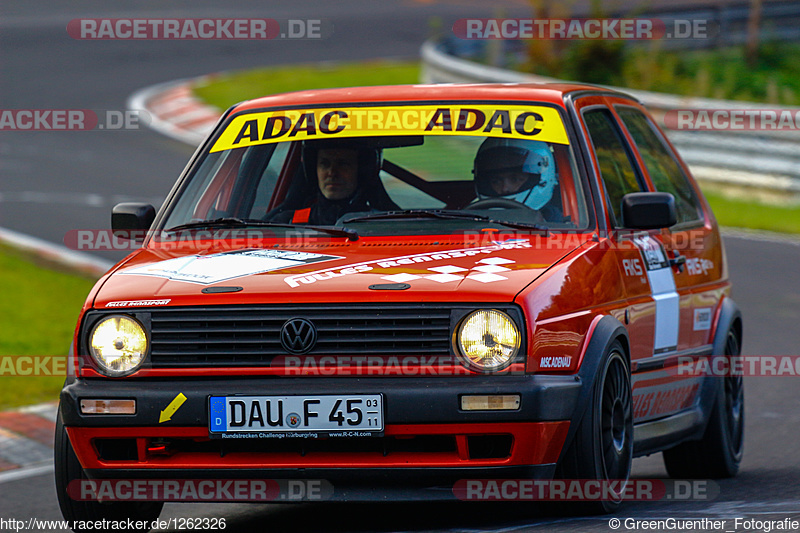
607	330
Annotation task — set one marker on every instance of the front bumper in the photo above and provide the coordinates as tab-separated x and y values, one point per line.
428	440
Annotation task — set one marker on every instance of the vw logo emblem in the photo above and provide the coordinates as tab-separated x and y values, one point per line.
298	335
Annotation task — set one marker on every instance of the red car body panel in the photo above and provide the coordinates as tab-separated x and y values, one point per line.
534	443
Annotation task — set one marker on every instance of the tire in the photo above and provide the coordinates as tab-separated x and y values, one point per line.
602	448
718	454
68	468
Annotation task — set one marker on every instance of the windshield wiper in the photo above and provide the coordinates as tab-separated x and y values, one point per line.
228	222
445	214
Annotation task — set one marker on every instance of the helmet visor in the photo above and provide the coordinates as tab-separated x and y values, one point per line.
506	170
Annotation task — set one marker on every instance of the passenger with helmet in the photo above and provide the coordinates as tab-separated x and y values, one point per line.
518	169
338	177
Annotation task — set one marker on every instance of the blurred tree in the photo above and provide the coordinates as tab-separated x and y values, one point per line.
593	60
544	55
753	25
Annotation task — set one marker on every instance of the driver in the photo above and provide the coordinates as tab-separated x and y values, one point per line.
342	177
515	169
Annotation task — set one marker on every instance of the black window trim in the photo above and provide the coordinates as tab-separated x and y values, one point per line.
690	224
637	171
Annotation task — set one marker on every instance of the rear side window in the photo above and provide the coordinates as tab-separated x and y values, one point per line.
665	172
616	167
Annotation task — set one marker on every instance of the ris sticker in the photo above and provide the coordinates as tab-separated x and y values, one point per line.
697	266
632	267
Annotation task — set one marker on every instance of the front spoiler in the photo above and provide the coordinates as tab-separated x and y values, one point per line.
418	400
412	407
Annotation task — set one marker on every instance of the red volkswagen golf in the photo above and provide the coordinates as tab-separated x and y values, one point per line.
382	292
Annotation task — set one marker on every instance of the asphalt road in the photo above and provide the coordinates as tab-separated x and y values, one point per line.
52	182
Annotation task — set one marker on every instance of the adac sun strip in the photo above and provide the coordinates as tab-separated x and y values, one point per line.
510	121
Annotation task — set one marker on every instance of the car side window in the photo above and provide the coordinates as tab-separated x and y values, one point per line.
616	168
664	170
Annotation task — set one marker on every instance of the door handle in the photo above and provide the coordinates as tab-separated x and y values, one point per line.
678	260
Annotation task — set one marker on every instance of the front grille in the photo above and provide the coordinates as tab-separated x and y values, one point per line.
244	336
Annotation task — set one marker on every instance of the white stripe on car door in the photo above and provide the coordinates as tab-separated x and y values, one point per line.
663	290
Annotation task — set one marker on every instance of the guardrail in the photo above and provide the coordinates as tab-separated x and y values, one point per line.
768	160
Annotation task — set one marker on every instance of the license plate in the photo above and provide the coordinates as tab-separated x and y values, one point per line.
301	416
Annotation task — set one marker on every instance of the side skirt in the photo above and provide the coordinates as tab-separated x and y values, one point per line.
658	435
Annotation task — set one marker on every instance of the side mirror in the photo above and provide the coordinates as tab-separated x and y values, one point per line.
649	210
131	220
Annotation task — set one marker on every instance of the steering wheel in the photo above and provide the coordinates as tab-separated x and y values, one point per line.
502	203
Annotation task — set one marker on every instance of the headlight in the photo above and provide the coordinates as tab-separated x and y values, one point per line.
488	339
119	344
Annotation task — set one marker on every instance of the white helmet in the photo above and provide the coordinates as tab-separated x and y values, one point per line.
517	169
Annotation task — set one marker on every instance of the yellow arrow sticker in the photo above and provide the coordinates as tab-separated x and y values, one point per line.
173	406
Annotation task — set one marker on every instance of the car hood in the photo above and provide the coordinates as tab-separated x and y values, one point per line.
366	270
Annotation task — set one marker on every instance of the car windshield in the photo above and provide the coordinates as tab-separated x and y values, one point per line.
385	170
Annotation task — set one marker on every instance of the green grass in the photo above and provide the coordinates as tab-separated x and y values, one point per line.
720	73
227	89
738	213
38	312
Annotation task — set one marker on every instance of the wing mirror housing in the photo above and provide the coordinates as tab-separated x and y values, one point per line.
131	220
649	210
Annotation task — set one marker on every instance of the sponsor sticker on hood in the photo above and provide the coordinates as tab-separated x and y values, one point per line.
484	270
207	269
